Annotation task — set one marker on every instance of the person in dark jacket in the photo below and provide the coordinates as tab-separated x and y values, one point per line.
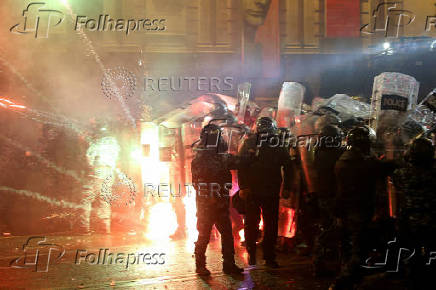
260	187
327	153
212	180
415	184
357	172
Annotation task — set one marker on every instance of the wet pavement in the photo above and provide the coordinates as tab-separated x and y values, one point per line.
129	261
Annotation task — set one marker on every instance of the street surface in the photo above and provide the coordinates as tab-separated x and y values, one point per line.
173	270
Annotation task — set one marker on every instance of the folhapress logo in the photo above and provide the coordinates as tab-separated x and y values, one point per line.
390	22
38	20
37	254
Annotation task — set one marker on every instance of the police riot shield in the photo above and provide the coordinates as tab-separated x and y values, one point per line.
394	96
290	101
348	107
422	120
243	99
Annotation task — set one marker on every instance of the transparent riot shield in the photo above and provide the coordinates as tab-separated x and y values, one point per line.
422	120
290	101
394	96
243	99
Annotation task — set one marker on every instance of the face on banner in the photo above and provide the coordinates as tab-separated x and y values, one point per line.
255	11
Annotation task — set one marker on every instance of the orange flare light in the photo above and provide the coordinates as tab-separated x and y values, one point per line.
5	103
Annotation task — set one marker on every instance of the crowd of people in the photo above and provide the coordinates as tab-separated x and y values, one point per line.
347	179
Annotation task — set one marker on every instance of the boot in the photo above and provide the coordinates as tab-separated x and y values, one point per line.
200	265
252	259
231	268
202	270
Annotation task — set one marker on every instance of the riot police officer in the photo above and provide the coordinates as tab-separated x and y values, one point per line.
327	152
415	184
212	180
357	172
260	187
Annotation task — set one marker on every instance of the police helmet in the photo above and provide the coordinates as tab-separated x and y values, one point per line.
421	151
266	125
360	137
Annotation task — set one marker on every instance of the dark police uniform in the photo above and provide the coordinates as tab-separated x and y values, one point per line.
263	178
416	189
212	180
325	184
356	177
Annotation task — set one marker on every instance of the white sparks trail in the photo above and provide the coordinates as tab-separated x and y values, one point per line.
56	120
59	117
43	160
23	79
40	197
90	47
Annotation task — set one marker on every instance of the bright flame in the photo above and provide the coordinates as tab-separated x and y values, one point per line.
162	219
136	154
162	222
191	217
241	235
153	171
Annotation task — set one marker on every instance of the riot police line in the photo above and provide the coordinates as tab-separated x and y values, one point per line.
347	174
